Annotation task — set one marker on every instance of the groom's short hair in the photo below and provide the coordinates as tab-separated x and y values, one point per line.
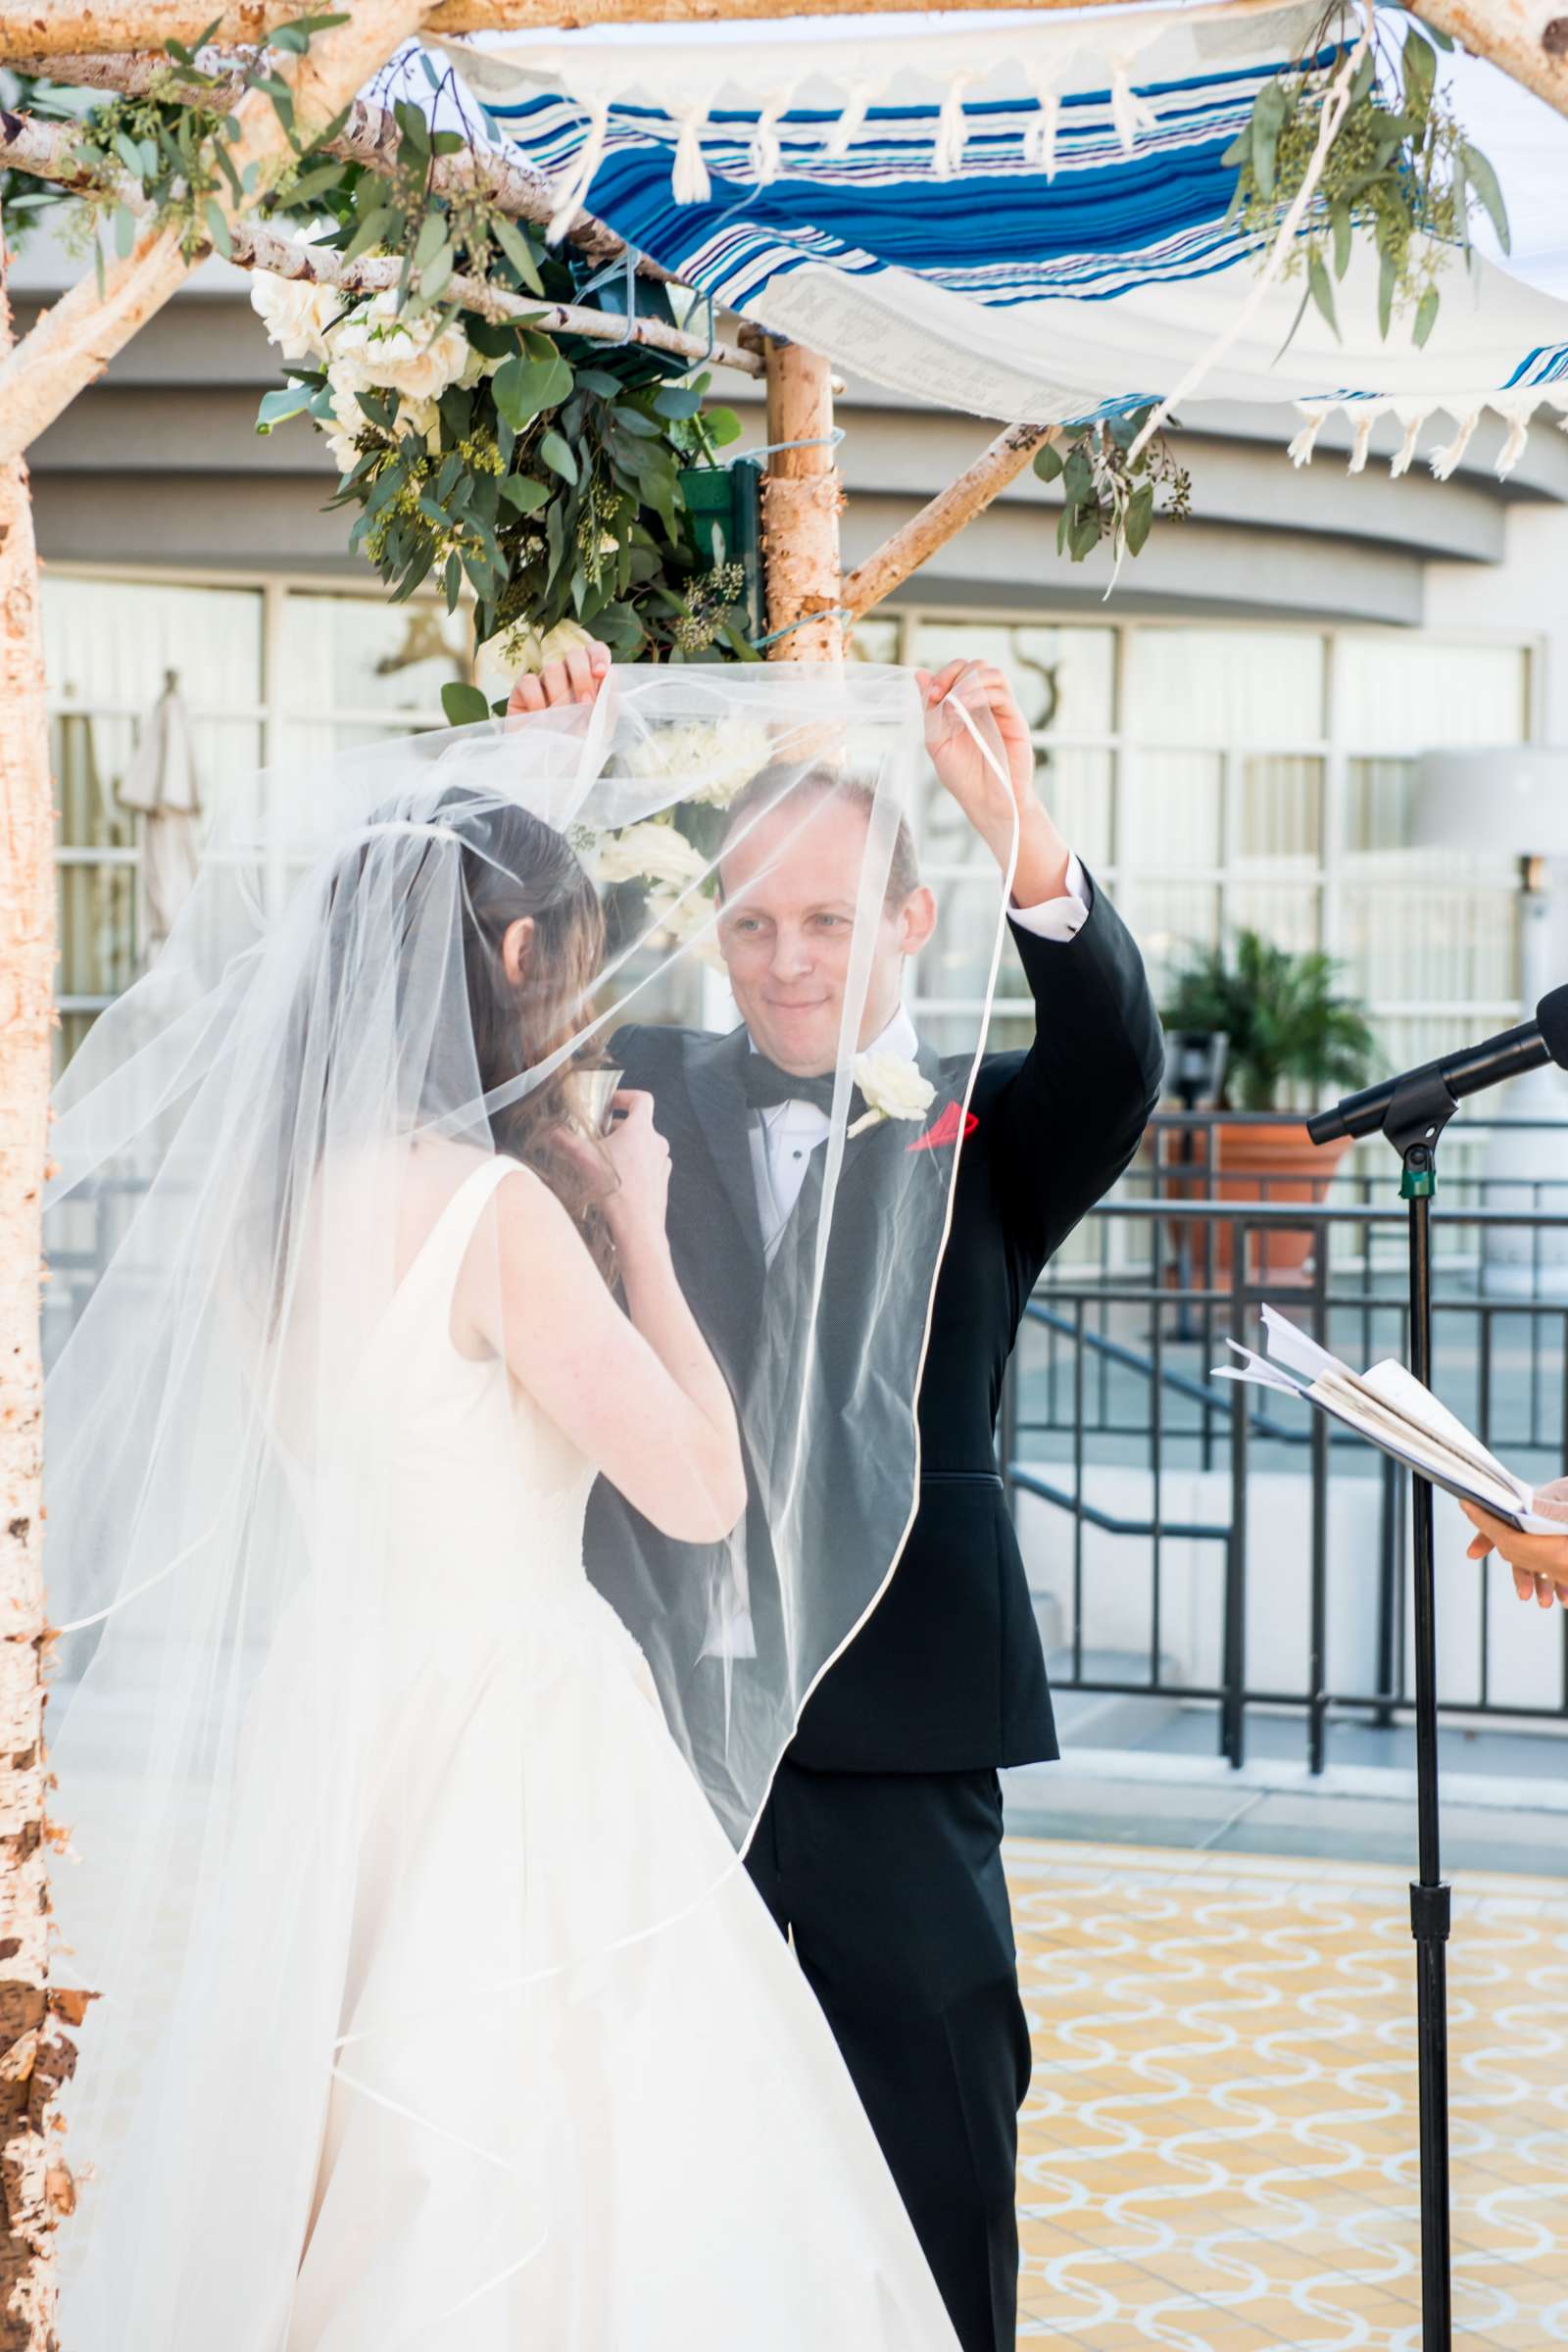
775	786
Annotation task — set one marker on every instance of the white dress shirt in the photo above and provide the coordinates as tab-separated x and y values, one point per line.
784	1136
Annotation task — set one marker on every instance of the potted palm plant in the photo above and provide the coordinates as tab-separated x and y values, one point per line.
1286	1021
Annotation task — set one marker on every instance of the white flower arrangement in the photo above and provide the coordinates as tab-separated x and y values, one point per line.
894	1088
371	350
716	762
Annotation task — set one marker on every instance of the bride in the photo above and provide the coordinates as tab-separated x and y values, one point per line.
435	2008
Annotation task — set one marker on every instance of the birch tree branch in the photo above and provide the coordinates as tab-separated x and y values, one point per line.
1526	39
258	248
942	517
77	338
48	27
47	150
370	136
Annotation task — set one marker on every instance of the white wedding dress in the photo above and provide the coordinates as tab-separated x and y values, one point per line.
649	2144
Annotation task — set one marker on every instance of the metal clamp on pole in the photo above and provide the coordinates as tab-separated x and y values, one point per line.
1430	1914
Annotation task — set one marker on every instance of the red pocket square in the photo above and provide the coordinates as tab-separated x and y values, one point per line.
946	1131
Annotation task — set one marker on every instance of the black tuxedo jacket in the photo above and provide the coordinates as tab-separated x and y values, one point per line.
947	1673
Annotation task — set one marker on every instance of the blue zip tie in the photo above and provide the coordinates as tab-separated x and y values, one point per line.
833	611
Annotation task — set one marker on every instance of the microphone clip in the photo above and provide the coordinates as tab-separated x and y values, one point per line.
1420	1110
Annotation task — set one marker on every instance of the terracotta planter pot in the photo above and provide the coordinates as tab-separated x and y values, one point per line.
1268	1164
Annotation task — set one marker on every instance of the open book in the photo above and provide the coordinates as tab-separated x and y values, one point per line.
1393	1409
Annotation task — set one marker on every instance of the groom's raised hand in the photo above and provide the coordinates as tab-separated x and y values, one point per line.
995	803
575	678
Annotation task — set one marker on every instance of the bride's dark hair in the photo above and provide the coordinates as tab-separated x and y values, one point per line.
517	868
377	932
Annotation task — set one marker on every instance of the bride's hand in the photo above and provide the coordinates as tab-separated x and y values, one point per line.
638	1161
575	678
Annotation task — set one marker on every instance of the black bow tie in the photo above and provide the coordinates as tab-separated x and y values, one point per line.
766	1086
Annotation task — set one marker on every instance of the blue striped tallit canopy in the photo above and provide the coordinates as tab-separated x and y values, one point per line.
1020	216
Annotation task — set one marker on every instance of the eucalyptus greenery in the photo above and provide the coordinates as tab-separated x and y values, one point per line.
1283	1014
549	479
1107	493
1398	171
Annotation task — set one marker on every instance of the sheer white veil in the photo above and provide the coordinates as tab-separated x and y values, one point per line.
255	1148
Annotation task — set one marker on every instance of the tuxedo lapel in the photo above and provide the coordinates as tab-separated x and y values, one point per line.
714	1066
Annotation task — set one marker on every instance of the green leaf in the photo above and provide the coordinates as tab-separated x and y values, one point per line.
1268	121
523	387
414	126
1388	277
463	705
677	400
1339	222
219	227
1084	537
557	454
518	251
1078	481
451	582
304	28
288	399
1420	72
1140	518
1321	287
430	241
310	184
1048	461
1483	180
372	230
124	229
723	426
522	491
1426	315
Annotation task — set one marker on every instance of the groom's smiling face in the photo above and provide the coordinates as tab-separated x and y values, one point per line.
790	885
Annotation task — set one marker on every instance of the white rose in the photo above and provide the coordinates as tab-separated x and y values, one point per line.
650	852
294	312
894	1088
518	650
378	349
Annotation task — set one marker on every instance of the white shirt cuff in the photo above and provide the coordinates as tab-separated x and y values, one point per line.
1058	918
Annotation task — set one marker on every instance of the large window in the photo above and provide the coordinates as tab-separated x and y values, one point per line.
1210	776
268	670
1214	776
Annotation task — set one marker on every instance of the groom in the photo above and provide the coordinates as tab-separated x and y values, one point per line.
879	1851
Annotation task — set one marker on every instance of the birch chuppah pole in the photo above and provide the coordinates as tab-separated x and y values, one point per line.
803	497
36	2054
38	379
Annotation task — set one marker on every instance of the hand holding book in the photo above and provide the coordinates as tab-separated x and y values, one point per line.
1540	1564
1394	1410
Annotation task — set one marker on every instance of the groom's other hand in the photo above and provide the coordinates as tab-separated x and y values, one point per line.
575	678
993	803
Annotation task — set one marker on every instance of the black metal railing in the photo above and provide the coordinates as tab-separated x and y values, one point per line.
1111	1394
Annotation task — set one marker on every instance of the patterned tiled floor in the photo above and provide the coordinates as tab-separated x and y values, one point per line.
1218	2152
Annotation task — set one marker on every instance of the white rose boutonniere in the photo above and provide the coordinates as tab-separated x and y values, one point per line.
894	1089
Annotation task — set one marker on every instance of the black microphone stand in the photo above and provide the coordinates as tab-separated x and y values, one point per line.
1418	1112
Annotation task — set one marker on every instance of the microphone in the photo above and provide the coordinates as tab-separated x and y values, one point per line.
1526	1047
